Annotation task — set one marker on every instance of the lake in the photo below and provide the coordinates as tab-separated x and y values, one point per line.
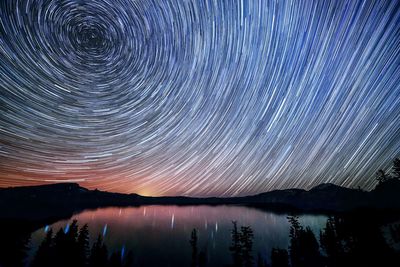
159	235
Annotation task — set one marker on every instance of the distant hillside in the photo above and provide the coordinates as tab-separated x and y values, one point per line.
60	200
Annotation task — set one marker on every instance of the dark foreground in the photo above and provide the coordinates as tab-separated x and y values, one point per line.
361	231
351	239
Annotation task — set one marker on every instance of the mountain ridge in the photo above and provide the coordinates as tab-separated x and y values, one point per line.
44	201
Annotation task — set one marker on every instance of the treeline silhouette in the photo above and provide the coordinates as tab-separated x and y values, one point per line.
198	258
14	242
354	239
346	240
242	246
70	247
382	176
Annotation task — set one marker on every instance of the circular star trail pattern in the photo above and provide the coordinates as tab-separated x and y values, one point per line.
200	98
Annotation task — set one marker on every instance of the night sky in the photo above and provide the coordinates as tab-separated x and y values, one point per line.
198	98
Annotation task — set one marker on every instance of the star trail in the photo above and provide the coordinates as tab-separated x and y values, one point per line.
199	98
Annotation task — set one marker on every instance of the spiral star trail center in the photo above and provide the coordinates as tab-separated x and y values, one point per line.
199	98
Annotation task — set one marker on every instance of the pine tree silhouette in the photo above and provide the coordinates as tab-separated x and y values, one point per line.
304	247
61	252
202	258
396	168
236	247
43	256
294	234
261	262
395	233
246	240
83	246
331	243
70	247
71	244
193	244
382	176
115	260
242	246
279	258
99	254
15	239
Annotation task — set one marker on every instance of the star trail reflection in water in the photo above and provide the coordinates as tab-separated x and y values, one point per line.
160	234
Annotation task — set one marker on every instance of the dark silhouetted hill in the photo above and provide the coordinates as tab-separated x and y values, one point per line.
62	200
324	197
37	202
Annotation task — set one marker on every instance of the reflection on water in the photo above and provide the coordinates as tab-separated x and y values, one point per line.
159	235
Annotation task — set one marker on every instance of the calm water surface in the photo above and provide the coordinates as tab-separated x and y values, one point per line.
159	235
